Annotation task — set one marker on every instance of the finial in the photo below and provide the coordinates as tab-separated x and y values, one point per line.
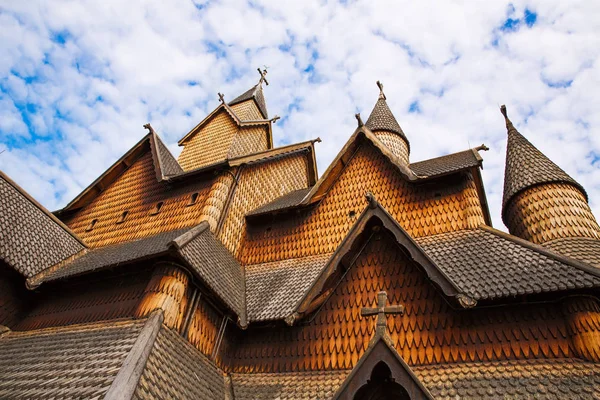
221	97
263	76
509	124
275	119
381	310
371	199
359	119
381	94
149	127
482	147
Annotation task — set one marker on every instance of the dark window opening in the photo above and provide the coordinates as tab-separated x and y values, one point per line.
352	213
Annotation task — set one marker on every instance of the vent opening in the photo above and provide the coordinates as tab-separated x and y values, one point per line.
122	217
91	225
193	199
157	208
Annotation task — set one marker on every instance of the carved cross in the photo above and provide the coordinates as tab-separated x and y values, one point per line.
381	310
221	97
263	76
381	94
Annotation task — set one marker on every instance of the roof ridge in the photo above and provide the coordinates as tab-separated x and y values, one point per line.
544	251
126	381
187	237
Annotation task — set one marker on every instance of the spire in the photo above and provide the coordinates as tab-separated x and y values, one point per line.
381	118
255	93
527	166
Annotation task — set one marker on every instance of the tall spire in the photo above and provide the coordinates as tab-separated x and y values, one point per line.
381	118
527	166
541	202
382	121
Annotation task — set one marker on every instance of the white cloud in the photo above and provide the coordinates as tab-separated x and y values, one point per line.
87	75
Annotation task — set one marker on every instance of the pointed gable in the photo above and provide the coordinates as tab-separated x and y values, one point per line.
526	166
381	368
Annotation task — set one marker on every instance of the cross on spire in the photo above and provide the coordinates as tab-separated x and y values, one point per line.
263	76
381	94
221	97
381	310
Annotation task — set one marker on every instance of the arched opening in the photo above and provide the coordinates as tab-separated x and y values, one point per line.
381	386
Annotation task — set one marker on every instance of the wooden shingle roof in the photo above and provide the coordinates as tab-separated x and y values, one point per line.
32	239
543	378
254	93
526	166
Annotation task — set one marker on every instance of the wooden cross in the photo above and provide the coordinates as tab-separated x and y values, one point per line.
381	94
381	310
221	97
263	76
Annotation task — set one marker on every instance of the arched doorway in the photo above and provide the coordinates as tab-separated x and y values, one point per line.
381	386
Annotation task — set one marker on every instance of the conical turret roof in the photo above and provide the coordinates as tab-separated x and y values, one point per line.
382	119
527	166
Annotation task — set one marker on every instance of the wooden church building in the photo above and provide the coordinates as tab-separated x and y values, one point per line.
236	272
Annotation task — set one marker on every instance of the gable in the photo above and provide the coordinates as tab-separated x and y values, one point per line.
421	209
137	191
258	184
210	144
382	369
334	335
247	110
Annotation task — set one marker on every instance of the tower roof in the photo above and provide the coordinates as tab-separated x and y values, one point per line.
381	118
526	166
254	93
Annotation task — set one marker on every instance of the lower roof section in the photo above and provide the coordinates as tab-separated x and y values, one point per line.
565	378
140	359
78	361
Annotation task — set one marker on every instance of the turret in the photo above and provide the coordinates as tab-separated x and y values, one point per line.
541	201
384	125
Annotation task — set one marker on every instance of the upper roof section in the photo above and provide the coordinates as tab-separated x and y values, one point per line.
526	166
382	119
233	129
254	93
31	238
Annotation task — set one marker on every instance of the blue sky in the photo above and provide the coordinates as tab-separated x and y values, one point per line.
78	80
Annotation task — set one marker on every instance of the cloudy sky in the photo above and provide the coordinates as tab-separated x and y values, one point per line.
78	79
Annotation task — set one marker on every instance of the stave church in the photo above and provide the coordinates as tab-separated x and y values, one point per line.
236	272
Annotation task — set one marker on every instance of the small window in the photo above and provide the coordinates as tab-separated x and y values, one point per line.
193	199
91	225
157	208
352	213
122	217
